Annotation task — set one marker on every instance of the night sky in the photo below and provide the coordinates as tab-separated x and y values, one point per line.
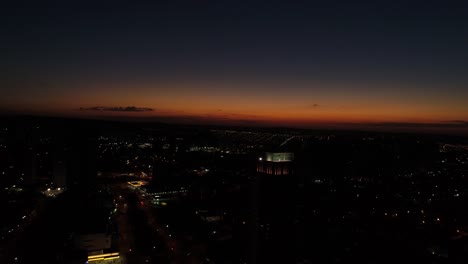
386	64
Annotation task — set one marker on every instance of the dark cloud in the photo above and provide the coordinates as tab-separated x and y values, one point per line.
310	106
460	122
446	124
118	109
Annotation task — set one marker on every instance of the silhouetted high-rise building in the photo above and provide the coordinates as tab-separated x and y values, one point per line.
82	168
162	175
23	146
163	168
60	166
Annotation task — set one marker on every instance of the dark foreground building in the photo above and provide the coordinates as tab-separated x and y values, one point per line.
273	210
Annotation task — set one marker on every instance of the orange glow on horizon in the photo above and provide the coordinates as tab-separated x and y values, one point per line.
225	104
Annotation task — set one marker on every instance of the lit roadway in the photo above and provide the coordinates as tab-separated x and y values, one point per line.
16	234
137	241
174	248
126	238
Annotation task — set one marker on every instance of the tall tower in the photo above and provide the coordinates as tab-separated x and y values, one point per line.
24	141
82	166
163	167
162	175
60	166
273	209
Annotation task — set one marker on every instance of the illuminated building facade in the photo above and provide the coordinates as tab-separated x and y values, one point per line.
276	163
98	248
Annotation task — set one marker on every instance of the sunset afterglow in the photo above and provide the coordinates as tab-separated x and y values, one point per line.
314	66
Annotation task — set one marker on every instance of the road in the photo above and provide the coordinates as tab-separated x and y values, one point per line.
179	248
138	243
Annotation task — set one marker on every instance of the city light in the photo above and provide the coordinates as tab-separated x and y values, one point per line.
232	132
